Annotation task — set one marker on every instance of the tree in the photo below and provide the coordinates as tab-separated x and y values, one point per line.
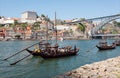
82	19
36	25
0	25
118	24
45	18
115	23
14	24
81	27
24	25
42	15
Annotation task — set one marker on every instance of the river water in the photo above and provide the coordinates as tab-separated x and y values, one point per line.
37	67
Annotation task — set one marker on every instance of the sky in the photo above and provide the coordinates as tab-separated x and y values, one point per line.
65	9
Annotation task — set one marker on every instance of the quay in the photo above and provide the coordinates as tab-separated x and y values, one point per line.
108	36
109	68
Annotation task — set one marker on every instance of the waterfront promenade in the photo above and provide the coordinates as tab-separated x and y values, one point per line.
109	68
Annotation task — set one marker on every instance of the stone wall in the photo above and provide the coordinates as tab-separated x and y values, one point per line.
109	68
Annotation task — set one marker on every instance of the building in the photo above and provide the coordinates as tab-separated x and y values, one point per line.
64	27
8	20
29	17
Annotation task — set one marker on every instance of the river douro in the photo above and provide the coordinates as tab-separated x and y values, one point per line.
37	67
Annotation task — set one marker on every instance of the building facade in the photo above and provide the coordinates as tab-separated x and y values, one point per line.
29	16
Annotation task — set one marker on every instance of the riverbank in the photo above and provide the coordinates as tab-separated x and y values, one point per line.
109	68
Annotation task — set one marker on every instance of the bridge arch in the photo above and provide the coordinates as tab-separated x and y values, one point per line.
94	29
103	23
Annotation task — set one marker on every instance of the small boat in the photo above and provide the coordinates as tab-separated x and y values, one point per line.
48	51
104	46
117	42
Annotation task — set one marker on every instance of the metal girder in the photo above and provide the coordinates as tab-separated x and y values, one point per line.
104	22
92	19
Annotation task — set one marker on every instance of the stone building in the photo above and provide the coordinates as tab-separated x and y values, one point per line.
29	16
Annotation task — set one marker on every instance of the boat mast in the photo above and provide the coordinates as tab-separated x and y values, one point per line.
47	29
55	28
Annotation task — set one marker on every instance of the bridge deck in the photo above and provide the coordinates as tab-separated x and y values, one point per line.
106	35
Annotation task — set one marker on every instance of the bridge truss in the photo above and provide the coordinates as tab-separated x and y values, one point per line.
104	20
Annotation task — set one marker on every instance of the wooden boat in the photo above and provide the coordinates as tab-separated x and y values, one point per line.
105	46
117	42
48	51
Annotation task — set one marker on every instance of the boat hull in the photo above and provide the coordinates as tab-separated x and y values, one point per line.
105	47
58	54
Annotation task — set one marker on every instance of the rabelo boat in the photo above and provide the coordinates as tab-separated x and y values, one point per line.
104	46
48	51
